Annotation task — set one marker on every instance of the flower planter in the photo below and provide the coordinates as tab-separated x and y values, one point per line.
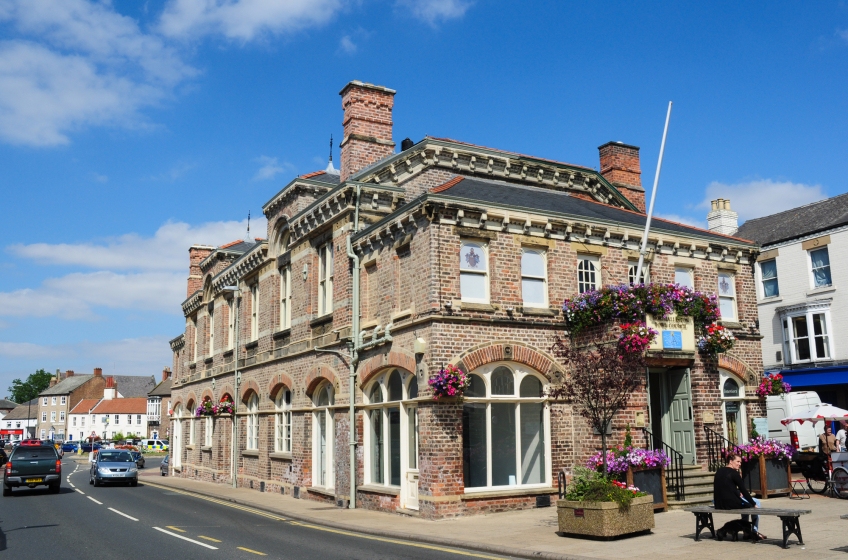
604	520
652	481
767	477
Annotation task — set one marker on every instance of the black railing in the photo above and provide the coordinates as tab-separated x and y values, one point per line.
674	481
717	445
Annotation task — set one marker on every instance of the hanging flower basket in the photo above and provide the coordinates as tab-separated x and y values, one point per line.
225	408
449	382
716	339
773	385
635	337
206	409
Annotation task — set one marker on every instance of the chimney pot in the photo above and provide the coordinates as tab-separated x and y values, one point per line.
367	126
166	373
98	372
721	219
620	166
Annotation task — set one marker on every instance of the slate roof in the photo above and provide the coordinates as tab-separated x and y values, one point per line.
7	405
239	246
26	411
161	390
130	386
797	222
121	406
522	197
84	406
323	177
67	385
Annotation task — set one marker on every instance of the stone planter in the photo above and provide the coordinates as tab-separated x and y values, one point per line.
605	520
766	477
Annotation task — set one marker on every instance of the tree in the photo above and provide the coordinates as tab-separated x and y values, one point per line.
24	391
599	379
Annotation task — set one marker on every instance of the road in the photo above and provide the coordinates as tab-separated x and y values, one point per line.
92	523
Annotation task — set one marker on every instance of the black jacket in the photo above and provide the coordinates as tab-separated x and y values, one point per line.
727	486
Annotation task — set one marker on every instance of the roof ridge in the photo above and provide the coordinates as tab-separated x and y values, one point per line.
313	174
830	199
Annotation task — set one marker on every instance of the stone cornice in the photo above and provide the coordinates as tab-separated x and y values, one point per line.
394	229
243	266
295	187
493	164
192	303
814	305
177	343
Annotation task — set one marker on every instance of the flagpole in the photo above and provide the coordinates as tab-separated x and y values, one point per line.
644	248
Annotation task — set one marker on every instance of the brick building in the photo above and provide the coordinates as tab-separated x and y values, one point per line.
442	252
158	407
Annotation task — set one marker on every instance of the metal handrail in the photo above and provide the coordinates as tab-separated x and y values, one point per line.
716	445
674	473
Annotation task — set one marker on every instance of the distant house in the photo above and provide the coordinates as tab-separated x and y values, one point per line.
6	406
158	407
20	422
801	277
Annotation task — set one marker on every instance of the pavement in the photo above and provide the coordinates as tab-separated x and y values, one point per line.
533	533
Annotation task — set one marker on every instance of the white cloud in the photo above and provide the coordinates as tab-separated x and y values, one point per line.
270	168
762	197
24	349
347	44
434	11
244	20
688	220
75	63
167	250
100	178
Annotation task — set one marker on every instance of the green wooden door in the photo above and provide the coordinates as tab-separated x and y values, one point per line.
679	423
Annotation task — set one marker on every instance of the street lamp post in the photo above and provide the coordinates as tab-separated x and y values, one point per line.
234	447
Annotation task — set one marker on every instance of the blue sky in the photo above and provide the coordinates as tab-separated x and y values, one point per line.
130	130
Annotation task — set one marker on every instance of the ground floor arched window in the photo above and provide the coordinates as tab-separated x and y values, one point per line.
734	417
177	437
505	429
323	429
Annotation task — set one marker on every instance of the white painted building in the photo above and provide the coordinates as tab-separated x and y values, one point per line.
109	416
802	295
20	423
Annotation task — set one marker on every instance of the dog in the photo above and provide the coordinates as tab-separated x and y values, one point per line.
733	528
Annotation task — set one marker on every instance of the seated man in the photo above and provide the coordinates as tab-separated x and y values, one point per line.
730	493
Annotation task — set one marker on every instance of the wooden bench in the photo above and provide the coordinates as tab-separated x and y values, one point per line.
789	518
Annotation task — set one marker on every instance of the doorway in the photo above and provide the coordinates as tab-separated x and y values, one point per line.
670	399
734	420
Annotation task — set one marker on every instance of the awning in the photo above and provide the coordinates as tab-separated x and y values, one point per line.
812	377
11	432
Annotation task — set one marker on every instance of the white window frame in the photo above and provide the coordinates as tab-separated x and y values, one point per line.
588	273
82	421
812	271
520	372
323	413
44	401
208	429
52	415
787	326
44	416
252	442
688	271
231	322
63	400
761	282
210	324
631	273
544	278
61	416
74	421
285	297
283	421
195	340
467	270
138	419
52	401
254	311
325	279
129	419
733	298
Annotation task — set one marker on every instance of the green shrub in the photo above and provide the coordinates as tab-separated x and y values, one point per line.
591	486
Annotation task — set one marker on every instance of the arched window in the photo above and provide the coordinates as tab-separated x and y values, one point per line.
504	428
734	417
385	437
253	422
177	436
282	421
322	436
192	420
207	431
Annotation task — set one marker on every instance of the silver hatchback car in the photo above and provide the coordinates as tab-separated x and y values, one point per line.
113	465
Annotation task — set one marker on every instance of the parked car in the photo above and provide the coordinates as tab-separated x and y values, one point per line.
154	445
33	465
163	468
113	465
87	448
70	446
139	458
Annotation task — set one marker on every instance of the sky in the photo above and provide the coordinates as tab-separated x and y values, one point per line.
130	130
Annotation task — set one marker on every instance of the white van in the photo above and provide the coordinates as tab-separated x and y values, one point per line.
153	445
804	436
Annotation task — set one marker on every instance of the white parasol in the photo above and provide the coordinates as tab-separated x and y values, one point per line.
821	412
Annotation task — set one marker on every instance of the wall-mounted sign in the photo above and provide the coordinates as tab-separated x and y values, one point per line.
675	333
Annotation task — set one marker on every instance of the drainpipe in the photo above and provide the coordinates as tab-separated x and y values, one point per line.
354	355
237	378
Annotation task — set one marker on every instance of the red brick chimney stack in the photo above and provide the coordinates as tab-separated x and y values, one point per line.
166	373
367	126
620	166
98	372
69	373
196	254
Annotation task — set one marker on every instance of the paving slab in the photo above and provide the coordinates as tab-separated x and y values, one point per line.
533	533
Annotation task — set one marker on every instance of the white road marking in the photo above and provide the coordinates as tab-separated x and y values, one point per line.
95	501
80	491
186	539
122	513
71	485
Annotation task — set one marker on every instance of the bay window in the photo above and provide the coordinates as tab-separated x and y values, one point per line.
505	429
534	290
807	337
473	272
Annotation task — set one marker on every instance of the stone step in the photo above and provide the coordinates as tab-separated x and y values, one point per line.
689	502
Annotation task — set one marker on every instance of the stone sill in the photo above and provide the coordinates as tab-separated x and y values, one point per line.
321	320
206	448
251	344
378	489
768	300
821	290
323	491
506	493
281	334
190	447
250	453
540	311
281	456
731	324
468	306
208	360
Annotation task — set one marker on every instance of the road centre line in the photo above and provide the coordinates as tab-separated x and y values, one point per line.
396	541
80	491
186	538
95	501
208	538
251	551
171	527
122	513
